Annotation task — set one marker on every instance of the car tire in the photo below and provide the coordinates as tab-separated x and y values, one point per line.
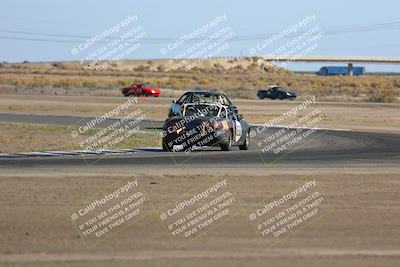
246	144
228	145
164	147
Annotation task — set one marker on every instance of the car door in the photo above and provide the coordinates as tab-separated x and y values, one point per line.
133	89
275	92
269	93
237	127
281	93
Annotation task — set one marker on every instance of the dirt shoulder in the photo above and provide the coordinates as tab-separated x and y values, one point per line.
361	229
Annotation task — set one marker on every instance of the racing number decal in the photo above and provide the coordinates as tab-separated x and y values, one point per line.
239	130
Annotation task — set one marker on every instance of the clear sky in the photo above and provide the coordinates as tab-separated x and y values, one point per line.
29	29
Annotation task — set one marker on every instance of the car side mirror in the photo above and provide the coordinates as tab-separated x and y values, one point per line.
173	101
240	117
234	109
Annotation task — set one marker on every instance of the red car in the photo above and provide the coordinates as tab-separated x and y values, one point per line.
138	89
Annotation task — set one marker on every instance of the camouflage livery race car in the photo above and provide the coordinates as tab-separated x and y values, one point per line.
207	124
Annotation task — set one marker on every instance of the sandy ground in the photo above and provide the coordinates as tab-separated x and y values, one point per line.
361	228
354	116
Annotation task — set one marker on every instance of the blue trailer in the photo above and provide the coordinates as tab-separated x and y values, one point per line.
340	70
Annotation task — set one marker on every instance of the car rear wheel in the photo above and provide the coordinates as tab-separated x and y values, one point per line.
228	145
246	144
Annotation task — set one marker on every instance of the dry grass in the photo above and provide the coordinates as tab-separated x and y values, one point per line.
239	78
26	137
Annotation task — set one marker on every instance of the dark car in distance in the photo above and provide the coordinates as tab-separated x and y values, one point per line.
276	92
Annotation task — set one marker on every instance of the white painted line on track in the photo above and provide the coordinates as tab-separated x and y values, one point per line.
68	153
306	128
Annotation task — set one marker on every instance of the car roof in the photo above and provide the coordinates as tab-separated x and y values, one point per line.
203	92
205	104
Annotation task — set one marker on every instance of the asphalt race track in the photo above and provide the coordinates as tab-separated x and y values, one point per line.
324	147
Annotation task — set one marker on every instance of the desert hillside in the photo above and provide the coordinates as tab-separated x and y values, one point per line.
238	77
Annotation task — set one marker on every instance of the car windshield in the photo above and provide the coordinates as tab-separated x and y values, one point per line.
204	110
205	98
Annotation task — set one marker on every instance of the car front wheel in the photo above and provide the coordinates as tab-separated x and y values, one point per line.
228	144
246	144
164	146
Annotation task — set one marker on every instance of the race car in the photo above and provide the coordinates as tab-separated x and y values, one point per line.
199	97
275	92
203	125
139	89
